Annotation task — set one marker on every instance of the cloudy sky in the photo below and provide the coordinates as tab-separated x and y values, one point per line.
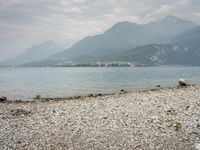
27	22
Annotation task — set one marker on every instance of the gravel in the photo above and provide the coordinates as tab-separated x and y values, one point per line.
156	119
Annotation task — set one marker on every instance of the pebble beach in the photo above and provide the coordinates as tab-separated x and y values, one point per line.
161	119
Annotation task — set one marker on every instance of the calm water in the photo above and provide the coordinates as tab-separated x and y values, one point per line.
25	83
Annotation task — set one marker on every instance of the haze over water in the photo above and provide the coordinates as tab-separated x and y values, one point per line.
26	83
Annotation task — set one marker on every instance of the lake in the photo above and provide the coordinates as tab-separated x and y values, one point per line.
26	83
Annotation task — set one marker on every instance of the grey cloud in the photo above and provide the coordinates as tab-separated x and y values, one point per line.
27	22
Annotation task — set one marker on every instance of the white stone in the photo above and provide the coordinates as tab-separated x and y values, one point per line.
183	82
197	147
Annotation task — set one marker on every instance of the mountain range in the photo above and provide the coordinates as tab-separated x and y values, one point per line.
170	41
182	50
35	53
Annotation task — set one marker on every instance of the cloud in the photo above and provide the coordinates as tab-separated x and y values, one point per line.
27	22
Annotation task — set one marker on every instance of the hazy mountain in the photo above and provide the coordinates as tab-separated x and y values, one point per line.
123	36
114	43
191	37
185	50
169	27
35	53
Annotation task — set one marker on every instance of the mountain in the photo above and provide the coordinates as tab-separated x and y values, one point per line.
35	53
185	50
113	44
169	27
120	37
191	37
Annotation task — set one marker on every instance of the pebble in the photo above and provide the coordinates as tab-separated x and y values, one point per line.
3	98
197	146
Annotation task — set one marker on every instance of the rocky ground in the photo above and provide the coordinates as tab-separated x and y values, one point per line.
164	119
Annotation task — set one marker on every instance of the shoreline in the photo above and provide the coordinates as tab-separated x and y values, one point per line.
92	95
165	118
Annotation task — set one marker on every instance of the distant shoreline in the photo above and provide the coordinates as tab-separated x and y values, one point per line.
95	66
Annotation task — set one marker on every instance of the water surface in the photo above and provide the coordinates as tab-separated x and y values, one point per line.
26	83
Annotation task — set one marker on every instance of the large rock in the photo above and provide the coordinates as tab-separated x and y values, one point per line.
3	98
183	82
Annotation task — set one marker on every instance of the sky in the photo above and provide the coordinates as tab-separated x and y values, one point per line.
24	23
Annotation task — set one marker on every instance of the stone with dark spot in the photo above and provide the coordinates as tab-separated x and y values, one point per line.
183	82
122	90
91	95
105	117
3	99
37	97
